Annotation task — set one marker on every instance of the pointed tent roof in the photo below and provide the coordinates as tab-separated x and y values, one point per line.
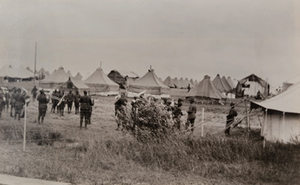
206	89
151	83
58	76
226	84
70	74
77	84
254	78
176	83
192	82
288	101
219	84
42	71
230	82
99	77
182	83
78	75
169	82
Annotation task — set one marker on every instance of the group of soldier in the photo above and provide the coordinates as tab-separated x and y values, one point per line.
174	110
16	99
60	99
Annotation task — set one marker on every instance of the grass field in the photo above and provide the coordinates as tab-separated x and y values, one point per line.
58	150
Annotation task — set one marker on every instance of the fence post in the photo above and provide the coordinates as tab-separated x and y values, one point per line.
24	135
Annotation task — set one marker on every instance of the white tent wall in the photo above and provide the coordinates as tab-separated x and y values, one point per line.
253	89
281	127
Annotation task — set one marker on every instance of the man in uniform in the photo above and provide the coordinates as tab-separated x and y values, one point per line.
19	103
230	119
70	99
191	115
61	103
54	100
177	113
34	93
120	113
85	103
43	100
76	102
2	101
12	101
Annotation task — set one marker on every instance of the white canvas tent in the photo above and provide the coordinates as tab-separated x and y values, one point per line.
169	82
151	84
55	80
100	84
281	116
19	72
252	84
74	84
205	89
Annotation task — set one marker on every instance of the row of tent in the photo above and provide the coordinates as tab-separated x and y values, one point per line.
224	85
99	82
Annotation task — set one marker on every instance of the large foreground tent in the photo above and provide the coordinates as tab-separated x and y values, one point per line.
252	84
74	84
205	89
55	80
281	116
99	83
149	83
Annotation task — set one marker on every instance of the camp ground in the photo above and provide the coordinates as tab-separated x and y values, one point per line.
150	92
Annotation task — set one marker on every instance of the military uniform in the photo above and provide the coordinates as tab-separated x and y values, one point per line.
19	103
177	113
70	99
120	105
2	102
85	104
42	99
191	116
54	100
76	102
230	119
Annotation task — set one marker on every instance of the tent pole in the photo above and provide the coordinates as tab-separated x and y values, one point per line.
34	63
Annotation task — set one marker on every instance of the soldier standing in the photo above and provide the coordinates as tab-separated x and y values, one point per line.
191	115
54	100
70	99
230	119
120	105
2	102
19	103
85	103
177	113
43	100
12	102
61	103
34	93
76	102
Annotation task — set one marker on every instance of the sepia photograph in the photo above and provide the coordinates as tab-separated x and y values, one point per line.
149	92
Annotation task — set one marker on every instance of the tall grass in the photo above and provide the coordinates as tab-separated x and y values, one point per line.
92	159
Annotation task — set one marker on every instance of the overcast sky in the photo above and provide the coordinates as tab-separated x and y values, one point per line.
179	38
